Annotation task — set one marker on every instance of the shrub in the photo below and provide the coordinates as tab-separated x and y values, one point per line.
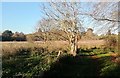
112	42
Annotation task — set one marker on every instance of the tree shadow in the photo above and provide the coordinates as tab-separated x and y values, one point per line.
74	67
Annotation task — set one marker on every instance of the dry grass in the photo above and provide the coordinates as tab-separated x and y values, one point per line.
14	47
87	44
9	48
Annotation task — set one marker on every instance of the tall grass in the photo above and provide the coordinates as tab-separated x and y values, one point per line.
31	59
50	46
14	48
28	59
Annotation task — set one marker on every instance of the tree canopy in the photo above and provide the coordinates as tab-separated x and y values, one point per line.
8	35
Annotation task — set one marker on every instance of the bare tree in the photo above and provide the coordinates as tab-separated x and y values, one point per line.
105	16
72	16
45	25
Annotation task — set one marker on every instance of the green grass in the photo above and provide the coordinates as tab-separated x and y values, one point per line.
74	67
83	67
103	55
26	66
33	61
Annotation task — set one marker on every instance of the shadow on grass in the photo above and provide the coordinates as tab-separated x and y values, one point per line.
110	68
26	66
74	67
21	66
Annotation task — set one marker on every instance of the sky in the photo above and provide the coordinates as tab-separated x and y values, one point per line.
24	16
20	16
0	17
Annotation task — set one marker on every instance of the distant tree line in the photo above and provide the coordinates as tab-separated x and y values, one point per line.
8	35
51	35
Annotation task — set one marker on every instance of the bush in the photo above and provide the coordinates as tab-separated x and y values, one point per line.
112	42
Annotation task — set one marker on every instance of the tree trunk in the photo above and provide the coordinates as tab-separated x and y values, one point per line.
73	44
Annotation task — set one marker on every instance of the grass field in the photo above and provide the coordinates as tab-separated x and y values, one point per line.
40	59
